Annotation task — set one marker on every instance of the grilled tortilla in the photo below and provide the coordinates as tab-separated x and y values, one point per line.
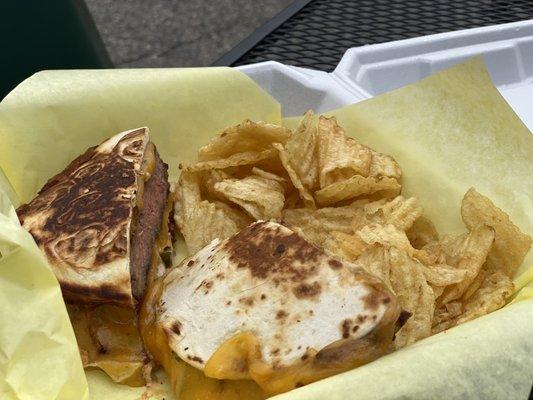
265	305
102	223
88	220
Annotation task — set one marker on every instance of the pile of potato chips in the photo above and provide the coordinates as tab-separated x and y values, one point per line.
345	197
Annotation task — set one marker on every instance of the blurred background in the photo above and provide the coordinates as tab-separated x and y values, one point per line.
46	34
61	34
159	33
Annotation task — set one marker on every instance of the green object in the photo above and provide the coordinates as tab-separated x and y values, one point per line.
46	34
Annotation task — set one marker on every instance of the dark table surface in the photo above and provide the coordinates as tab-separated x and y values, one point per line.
316	33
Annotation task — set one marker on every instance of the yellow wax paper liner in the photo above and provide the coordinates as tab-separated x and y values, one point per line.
52	107
38	355
48	120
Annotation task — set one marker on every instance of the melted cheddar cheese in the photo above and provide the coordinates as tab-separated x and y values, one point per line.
187	382
240	358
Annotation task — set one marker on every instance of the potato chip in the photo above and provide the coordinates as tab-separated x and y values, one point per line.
422	232
490	296
268	175
390	236
375	260
244	158
301	150
247	137
448	250
384	165
443	275
339	157
445	316
187	194
201	221
261	198
362	218
305	195
345	245
336	218
356	186
293	200
372	207
317	225
414	295
209	179
402	212
282	178
474	250
303	219
385	235
241	218
476	283
398	212
437	290
510	244
207	221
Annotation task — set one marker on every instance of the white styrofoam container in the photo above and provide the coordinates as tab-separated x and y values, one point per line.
367	71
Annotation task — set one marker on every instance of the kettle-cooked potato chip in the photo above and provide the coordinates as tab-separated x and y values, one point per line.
234	160
339	157
494	290
260	197
356	186
305	195
246	137
208	181
301	150
422	232
402	212
201	221
376	261
510	244
491	295
268	175
206	221
384	165
445	316
386	235
187	195
474	252
345	245
443	275
414	294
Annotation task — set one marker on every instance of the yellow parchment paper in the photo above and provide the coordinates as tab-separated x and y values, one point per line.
38	352
54	116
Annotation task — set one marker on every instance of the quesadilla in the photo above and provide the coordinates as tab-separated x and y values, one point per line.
266	306
98	220
103	225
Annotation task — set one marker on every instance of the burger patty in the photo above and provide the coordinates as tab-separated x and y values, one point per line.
147	225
